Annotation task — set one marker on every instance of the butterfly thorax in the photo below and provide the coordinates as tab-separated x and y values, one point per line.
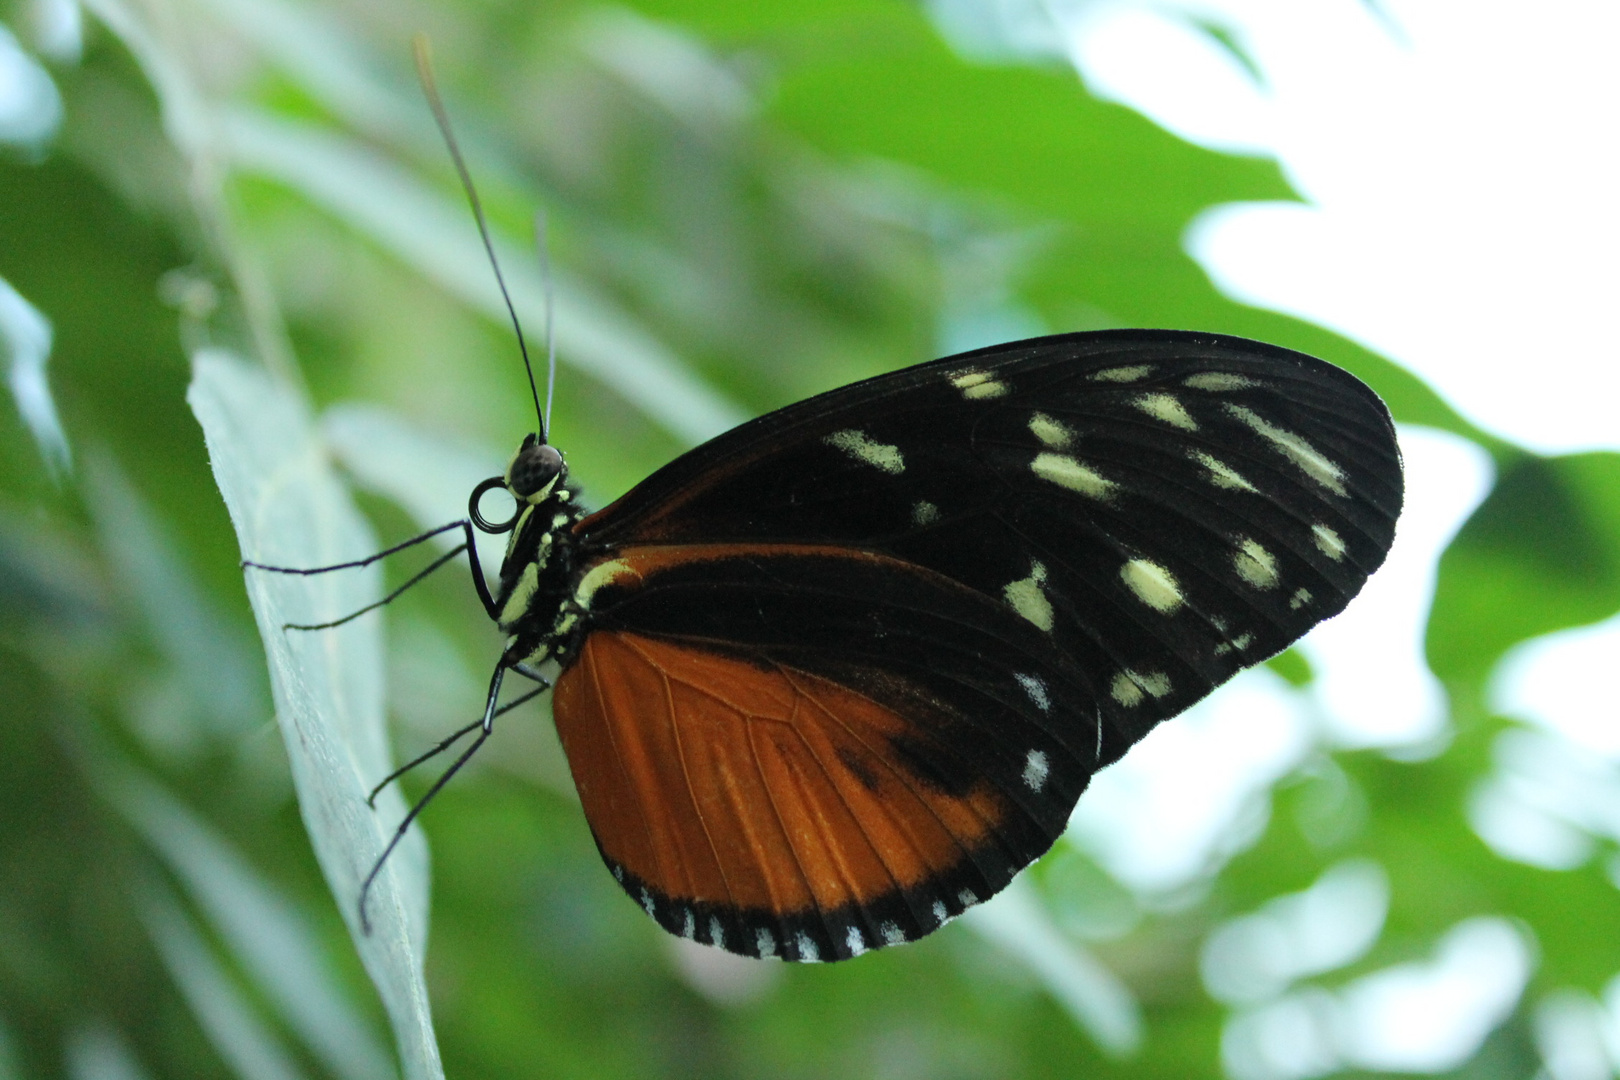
538	568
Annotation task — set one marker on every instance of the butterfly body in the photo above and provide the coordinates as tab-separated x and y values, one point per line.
838	674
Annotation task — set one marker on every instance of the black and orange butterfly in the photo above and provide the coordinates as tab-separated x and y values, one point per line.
838	674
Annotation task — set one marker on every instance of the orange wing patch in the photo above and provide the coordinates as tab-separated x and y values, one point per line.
759	793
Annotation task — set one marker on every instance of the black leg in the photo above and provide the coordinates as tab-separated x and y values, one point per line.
390	598
367	561
487	723
468	545
451	739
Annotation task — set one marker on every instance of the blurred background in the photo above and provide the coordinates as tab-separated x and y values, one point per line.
1392	849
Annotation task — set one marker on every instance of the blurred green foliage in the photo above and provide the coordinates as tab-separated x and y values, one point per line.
776	199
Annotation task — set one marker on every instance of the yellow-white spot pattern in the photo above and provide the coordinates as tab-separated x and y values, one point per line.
1153	585
1050	431
1328	542
1065	471
1295	448
977	385
1217	381
1130	688
878	455
1255	564
1028	599
1166	408
1123	374
1222	474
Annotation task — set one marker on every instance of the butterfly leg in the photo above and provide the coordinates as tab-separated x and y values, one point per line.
451	739
487	724
466	545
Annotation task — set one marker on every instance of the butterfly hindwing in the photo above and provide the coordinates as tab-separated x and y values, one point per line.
811	751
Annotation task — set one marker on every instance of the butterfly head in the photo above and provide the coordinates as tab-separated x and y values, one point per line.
535	471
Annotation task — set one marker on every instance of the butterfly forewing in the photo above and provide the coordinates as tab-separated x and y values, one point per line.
1023	557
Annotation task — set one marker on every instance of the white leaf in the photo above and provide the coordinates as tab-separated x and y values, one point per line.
289	510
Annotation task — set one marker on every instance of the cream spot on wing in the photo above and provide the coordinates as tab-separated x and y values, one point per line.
1036	689
647	902
854	941
1035	770
924	512
1295	448
598	576
1242	641
1130	688
978	385
1328	542
1222	474
688	925
1255	564
941	914
1123	374
1065	471
880	456
1217	381
1125	691
892	934
764	943
1153	585
717	933
807	948
966	898
1300	598
1166	408
1028	599
1050	431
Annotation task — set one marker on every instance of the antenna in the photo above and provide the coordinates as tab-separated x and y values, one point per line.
540	242
424	71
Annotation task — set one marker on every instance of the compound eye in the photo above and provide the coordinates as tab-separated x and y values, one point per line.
533	470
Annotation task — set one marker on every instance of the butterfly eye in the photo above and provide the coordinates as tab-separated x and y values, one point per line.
534	471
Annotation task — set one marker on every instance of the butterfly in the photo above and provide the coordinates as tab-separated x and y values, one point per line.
838	674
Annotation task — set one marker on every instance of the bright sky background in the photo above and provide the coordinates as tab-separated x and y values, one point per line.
1461	217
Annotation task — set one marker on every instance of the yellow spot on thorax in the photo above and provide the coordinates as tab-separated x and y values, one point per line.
598	576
